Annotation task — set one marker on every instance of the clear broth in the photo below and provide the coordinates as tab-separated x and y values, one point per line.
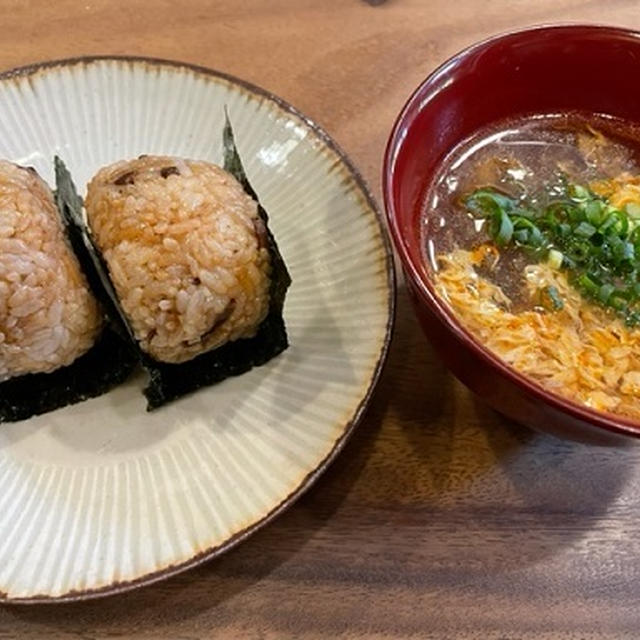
527	156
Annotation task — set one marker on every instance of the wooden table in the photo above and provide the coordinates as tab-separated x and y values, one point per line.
439	519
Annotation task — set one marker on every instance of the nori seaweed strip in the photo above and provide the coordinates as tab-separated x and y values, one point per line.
107	364
169	381
280	278
94	267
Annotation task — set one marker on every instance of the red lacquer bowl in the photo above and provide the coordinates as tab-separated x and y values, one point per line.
547	69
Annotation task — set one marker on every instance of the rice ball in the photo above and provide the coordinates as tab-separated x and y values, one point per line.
48	315
186	251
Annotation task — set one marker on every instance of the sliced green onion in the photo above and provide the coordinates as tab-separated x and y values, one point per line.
578	192
607	224
555	258
605	292
594	210
588	285
595	243
629	252
585	230
489	202
622	223
502	228
616	302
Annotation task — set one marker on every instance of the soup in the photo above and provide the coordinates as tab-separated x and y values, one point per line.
531	231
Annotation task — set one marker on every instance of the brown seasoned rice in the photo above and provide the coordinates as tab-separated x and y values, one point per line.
186	251
48	317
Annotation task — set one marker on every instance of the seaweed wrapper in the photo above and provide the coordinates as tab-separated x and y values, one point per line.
108	363
169	381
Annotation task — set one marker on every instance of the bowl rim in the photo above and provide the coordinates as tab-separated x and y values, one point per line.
609	422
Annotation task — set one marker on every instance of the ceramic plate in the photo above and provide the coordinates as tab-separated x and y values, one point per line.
103	496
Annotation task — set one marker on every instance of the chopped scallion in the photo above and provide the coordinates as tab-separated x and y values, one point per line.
597	244
555	258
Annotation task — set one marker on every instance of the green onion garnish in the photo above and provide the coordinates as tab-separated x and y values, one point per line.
595	243
584	229
555	259
501	227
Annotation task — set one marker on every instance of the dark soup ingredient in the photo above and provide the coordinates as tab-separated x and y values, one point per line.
532	232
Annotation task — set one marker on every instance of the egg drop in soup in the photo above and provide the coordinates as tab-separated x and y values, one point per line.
531	232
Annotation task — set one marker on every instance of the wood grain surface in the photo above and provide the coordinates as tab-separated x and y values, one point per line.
439	519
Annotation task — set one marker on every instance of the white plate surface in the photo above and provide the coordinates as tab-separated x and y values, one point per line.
103	496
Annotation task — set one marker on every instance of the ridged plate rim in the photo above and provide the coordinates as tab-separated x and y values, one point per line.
287	109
